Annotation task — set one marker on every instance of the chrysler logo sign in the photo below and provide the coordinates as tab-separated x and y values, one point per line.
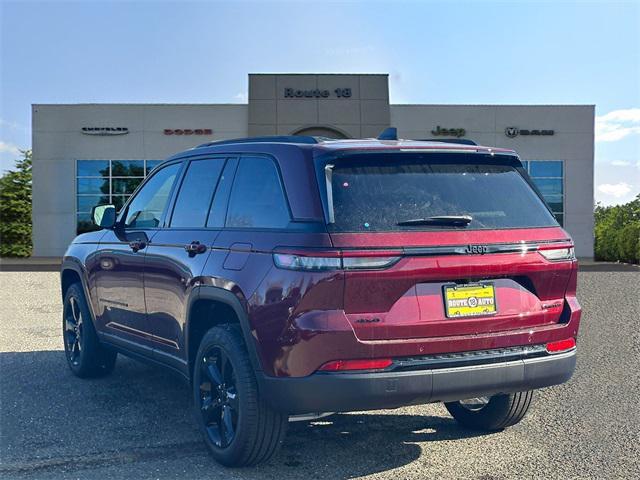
105	130
513	132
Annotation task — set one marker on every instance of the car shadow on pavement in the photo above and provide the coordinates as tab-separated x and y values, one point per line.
54	422
356	444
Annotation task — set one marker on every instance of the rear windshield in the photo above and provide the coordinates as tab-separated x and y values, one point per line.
375	192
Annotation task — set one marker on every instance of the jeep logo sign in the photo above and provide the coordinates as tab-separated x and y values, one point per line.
513	132
448	132
477	249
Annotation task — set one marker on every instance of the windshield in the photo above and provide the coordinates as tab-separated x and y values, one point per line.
411	192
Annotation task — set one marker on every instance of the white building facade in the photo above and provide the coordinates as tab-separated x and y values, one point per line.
88	154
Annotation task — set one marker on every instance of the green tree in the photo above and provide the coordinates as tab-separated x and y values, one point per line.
15	209
617	232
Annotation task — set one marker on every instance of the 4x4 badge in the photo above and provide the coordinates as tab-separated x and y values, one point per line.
477	249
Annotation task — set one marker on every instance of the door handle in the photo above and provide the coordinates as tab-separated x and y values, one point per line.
195	248
137	245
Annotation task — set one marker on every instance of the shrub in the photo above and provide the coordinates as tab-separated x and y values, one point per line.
617	232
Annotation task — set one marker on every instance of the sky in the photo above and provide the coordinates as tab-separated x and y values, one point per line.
434	52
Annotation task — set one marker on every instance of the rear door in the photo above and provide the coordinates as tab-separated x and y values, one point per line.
447	275
179	252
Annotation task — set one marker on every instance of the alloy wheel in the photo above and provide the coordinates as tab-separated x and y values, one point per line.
219	402
73	330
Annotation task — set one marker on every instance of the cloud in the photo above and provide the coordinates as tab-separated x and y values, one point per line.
9	148
615	189
242	97
618	124
620	163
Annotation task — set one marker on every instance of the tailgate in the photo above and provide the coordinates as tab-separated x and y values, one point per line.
407	300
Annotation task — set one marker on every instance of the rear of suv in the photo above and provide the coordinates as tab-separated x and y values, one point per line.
293	276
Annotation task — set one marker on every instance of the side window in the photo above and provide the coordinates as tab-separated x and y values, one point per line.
257	199
194	198
145	210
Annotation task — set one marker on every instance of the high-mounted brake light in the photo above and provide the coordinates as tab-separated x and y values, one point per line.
349	261
558	254
561	345
362	364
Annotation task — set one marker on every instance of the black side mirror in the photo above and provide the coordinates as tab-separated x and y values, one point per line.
104	216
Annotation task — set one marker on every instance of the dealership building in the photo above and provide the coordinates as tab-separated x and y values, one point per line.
88	154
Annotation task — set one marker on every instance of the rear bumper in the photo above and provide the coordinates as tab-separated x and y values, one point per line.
342	392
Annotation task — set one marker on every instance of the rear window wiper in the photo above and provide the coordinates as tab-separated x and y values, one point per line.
454	220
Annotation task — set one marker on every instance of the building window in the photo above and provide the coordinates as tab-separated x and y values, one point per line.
100	182
548	175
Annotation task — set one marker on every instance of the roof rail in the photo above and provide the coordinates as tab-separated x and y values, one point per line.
462	141
266	139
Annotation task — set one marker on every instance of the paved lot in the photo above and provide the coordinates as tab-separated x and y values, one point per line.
137	423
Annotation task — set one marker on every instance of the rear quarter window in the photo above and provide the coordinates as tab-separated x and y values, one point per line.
257	197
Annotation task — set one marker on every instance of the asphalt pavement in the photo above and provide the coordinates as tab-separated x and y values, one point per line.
137	423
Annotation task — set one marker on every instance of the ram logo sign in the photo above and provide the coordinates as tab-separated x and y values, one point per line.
513	132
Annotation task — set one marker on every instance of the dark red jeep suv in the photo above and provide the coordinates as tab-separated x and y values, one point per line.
297	276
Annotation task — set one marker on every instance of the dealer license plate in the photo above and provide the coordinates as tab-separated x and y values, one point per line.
469	300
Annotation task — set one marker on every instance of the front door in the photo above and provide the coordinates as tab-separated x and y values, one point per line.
120	259
176	257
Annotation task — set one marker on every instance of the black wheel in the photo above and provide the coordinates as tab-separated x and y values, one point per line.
85	356
491	413
238	427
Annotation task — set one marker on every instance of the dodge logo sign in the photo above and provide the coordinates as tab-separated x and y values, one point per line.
188	131
513	132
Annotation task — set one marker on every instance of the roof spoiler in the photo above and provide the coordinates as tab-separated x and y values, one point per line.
390	133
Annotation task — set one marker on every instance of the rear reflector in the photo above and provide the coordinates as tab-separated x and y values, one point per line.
363	364
561	345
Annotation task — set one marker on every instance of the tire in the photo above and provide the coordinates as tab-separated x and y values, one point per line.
491	413
86	357
238	427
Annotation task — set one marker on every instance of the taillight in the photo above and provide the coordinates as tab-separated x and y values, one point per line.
337	260
349	263
298	262
558	254
362	364
561	345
